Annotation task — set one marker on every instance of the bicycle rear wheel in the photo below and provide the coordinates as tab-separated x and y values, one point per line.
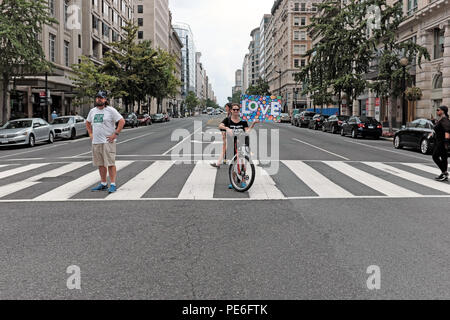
242	175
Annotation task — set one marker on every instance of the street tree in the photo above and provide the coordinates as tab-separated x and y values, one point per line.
236	97
191	102
21	23
261	88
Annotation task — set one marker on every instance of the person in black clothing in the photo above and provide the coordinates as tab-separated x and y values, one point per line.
442	133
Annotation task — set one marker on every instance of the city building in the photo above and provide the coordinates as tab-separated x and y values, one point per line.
237	82
245	74
262	45
153	17
199	79
85	28
286	42
253	62
188	73
175	47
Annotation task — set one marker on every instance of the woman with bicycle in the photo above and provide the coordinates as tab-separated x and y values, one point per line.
233	125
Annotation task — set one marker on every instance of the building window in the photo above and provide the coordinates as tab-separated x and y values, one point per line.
79	41
303	7
52	40
296	6
296	21
140	34
296	35
303	21
296	49
303	63
105	30
66	53
438	43
296	63
66	12
51	7
412	7
302	35
140	22
140	8
94	22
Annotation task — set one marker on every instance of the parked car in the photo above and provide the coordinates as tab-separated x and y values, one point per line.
362	126
131	119
296	120
69	127
334	124
295	112
144	120
317	121
166	117
418	134
158	118
285	118
305	118
26	132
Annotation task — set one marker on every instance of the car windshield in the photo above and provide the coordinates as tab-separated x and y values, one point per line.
18	124
61	120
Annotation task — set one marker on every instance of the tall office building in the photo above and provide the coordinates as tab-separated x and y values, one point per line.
253	62
188	54
262	45
152	17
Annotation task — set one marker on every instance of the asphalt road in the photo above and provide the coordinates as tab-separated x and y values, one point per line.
294	236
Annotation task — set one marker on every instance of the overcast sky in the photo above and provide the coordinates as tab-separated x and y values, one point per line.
221	31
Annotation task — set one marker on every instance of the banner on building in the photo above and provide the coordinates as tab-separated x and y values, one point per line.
262	108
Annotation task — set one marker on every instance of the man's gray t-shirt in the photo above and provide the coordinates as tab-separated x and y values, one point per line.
103	123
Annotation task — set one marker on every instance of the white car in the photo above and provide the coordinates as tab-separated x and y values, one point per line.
69	127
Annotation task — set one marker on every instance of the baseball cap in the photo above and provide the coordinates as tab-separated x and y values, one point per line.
102	94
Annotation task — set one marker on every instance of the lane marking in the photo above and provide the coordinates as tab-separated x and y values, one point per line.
423	167
21	185
332	153
201	182
72	188
36	149
385	187
317	182
181	142
444	187
135	188
9	173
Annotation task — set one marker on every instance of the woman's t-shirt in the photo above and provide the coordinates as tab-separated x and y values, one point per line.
241	125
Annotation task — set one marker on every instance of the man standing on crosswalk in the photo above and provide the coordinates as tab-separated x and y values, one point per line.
101	125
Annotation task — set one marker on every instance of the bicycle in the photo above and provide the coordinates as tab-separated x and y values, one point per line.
242	170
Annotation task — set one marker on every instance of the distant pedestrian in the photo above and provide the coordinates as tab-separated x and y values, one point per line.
223	155
101	126
54	115
442	132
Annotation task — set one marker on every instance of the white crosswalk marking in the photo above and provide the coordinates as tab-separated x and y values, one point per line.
378	184
200	184
9	173
70	189
3	165
21	185
139	185
411	177
264	187
423	167
318	183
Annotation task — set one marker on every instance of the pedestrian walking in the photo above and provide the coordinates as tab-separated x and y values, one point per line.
442	133
54	115
223	156
101	124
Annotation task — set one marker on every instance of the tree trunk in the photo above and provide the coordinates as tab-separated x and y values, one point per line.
390	114
5	103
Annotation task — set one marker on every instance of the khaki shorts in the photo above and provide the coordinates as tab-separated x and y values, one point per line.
104	155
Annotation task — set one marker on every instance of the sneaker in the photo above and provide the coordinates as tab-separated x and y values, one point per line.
443	177
243	185
112	189
230	187
100	187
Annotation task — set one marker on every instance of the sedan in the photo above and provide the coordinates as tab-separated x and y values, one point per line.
317	121
305	118
285	118
144	120
362	126
131	119
418	134
334	124
158	118
296	120
26	132
69	127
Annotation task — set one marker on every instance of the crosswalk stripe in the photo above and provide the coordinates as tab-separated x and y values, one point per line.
139	185
423	167
3	165
264	187
378	184
411	177
21	185
318	183
70	189
9	173
201	183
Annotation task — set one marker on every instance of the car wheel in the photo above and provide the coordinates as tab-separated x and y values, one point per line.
342	132
31	141
397	143
333	130
73	134
354	134
323	129
51	138
425	146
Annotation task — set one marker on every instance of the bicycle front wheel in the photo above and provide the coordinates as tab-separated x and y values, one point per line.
242	174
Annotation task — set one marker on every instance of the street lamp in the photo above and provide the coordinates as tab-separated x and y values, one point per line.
404	63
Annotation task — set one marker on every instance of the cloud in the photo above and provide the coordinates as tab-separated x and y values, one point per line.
221	31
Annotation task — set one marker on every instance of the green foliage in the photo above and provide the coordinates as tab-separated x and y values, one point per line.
236	97
261	88
413	94
191	101
21	21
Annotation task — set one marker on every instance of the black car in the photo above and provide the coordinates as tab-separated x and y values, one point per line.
418	134
159	117
305	118
131	119
362	126
296	120
317	121
334	124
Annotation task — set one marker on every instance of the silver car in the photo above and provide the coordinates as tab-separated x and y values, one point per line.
26	132
69	127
